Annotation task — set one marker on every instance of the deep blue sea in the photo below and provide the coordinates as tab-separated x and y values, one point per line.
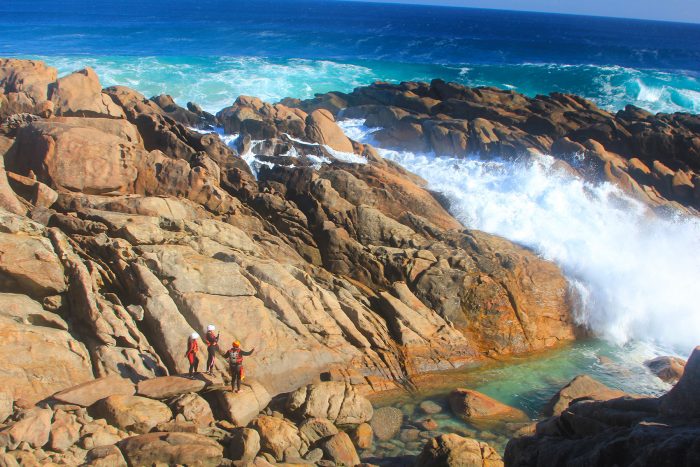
211	51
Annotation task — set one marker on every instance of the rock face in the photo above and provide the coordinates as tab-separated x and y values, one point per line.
452	450
472	405
171	449
123	230
582	387
623	431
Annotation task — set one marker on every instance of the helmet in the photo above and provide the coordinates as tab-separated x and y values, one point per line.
194	335
211	327
236	344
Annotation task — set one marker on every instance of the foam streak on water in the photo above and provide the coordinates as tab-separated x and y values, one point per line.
215	82
636	276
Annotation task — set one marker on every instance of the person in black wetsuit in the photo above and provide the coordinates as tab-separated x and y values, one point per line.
212	341
235	359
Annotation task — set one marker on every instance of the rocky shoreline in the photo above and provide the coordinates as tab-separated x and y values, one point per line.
126	225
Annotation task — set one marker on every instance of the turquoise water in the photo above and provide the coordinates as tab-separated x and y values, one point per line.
526	383
215	82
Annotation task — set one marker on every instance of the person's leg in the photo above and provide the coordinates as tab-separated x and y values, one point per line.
232	370
237	373
190	357
210	358
196	363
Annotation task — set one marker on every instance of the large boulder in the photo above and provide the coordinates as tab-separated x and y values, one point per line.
386	422
171	449
580	388
24	84
337	401
452	450
339	449
321	128
80	94
315	429
89	392
473	405
65	431
193	408
133	413
667	368
105	456
29	265
279	437
242	407
33	428
168	386
71	155
244	445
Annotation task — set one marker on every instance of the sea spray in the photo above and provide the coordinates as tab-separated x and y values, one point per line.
635	274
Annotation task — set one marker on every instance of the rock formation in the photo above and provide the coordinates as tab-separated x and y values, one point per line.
654	158
123	229
619	430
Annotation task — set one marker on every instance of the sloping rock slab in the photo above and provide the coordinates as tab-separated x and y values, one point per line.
88	393
168	386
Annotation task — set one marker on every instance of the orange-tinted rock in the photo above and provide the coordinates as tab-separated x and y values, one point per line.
473	405
88	393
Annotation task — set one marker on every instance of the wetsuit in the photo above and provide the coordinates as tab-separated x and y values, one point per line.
192	348
212	347
235	360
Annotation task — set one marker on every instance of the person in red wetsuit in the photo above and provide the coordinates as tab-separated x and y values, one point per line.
212	341
235	359
191	354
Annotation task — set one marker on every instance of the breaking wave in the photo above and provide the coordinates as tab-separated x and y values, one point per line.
635	274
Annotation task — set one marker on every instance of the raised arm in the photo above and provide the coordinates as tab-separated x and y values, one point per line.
248	352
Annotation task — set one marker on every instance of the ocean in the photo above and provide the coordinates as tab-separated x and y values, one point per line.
211	51
636	277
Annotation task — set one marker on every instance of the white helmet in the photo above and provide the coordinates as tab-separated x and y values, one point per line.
194	335
211	327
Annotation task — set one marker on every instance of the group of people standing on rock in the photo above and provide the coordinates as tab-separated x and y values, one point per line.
234	355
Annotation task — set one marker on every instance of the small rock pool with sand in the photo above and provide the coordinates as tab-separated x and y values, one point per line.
525	382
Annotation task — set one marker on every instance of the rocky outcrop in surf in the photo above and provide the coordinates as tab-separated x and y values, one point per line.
654	158
605	429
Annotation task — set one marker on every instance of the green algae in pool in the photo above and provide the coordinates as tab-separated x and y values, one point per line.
526	383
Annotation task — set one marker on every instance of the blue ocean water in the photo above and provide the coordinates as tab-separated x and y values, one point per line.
213	50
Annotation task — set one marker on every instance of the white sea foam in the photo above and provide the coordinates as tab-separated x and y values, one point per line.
635	275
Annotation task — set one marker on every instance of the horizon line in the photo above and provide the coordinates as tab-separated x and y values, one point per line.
542	12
